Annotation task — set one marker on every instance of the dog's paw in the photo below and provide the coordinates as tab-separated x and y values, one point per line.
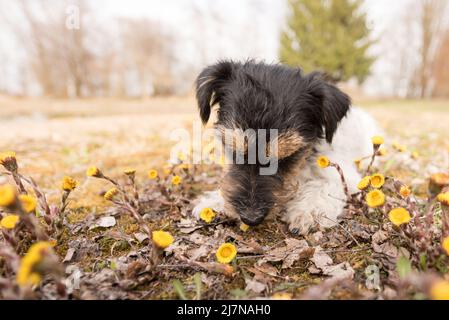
211	199
300	223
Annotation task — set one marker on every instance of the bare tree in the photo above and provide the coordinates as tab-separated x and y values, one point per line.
441	68
147	50
432	14
57	55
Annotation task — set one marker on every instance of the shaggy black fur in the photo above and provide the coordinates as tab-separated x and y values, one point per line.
262	96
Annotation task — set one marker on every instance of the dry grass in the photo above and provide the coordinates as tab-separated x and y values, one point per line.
53	138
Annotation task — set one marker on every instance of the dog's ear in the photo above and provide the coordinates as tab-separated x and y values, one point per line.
333	104
208	87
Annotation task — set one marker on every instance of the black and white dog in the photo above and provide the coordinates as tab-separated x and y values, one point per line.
313	118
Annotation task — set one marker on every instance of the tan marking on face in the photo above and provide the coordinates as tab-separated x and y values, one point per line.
238	140
288	143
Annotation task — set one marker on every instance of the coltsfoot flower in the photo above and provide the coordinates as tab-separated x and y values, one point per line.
167	169
415	155
405	191
7	195
68	183
437	182
445	245
6	155
443	198
207	215
129	171
440	290
375	198
381	152
377	180
9	221
94	172
281	296
244	227
399	147
8	160
377	140
226	253
181	156
364	183
162	239
323	162
358	164
176	180
28	273
28	203
152	174
399	216
110	194
183	166
440	179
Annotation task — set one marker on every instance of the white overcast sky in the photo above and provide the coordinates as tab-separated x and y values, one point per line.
239	33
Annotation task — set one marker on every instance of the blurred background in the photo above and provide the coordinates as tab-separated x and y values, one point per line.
136	48
85	80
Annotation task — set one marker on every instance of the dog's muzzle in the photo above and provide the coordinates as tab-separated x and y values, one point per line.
252	218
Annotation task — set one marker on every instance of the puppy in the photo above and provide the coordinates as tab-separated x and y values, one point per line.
312	118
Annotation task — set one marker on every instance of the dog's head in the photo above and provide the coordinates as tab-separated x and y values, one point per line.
303	108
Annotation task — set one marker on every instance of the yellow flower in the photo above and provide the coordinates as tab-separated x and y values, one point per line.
222	161
176	180
7	195
323	162
207	215
375	198
443	198
377	180
399	147
184	166
364	183
440	179
244	227
28	202
10	221
226	253
445	245
8	160
28	273
358	163
152	174
405	191
382	152
281	296
110	194
93	172
377	140
130	171
68	183
167	169
440	290
53	242
181	156
6	155
415	155
162	239
399	216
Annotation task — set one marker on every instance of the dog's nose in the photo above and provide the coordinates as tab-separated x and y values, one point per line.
252	218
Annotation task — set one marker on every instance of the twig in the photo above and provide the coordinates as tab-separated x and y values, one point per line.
343	228
343	180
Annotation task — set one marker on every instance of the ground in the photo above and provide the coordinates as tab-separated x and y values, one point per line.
54	138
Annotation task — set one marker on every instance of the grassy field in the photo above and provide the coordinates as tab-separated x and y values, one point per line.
54	138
